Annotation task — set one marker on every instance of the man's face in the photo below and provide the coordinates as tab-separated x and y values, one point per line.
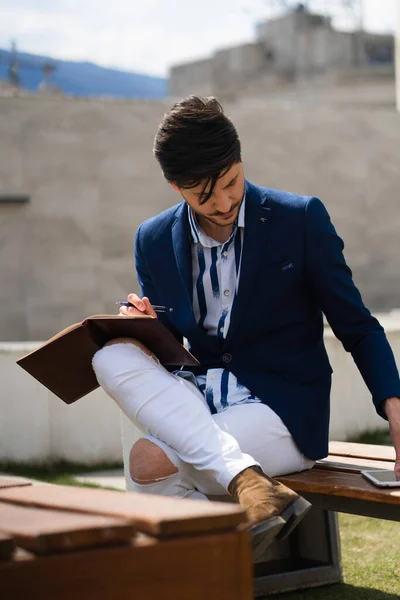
222	208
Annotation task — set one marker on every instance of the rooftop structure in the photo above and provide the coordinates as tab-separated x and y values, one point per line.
298	45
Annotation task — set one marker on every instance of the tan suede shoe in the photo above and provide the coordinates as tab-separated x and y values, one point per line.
273	510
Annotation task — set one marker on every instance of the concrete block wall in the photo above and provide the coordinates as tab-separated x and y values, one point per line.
92	179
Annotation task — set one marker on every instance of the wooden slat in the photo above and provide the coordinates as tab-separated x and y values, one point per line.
7	482
352	465
7	546
43	531
346	485
156	515
368	451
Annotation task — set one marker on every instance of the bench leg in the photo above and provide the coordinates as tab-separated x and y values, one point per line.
310	557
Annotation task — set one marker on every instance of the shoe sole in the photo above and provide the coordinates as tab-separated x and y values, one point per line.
292	515
278	528
264	534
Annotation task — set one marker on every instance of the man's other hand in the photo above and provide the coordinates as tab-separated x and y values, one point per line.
391	407
141	306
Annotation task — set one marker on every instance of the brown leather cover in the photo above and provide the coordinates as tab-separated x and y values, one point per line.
64	363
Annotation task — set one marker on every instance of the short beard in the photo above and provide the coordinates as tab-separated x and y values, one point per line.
214	222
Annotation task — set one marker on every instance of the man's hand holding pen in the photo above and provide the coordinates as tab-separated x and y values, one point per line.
140	306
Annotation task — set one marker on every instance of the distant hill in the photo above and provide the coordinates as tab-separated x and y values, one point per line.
84	78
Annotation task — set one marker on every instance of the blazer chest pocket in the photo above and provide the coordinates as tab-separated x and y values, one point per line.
276	280
282	268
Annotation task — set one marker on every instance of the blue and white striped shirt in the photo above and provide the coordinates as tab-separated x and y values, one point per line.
216	270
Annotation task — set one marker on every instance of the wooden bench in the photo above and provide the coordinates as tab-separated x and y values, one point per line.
311	555
88	544
185	549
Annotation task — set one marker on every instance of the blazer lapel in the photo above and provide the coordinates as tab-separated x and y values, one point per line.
181	245
257	222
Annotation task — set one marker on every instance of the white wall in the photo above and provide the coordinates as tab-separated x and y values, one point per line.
352	411
36	426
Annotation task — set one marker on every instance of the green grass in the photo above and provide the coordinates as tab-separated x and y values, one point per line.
376	436
60	472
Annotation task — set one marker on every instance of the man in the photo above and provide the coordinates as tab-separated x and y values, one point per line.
247	272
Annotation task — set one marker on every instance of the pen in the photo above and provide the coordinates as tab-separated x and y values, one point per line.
156	307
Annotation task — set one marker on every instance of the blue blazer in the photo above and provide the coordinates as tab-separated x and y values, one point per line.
292	271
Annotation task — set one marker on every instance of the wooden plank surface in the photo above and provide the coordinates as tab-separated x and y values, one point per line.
350	464
368	451
346	485
212	567
7	482
7	546
43	531
156	515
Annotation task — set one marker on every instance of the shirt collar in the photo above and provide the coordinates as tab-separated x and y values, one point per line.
199	237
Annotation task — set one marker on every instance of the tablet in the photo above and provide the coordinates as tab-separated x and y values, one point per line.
382	478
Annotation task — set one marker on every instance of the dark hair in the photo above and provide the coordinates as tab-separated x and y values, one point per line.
196	142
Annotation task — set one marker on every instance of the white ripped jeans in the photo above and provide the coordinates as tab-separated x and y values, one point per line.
208	450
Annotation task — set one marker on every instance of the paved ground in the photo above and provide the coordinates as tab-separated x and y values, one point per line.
113	479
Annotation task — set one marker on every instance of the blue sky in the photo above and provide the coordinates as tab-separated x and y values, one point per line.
148	36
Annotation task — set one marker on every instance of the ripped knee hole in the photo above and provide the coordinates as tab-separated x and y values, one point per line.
148	463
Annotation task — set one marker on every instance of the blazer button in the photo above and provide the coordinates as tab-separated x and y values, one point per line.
226	358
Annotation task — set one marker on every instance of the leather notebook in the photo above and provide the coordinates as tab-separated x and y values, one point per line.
64	363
